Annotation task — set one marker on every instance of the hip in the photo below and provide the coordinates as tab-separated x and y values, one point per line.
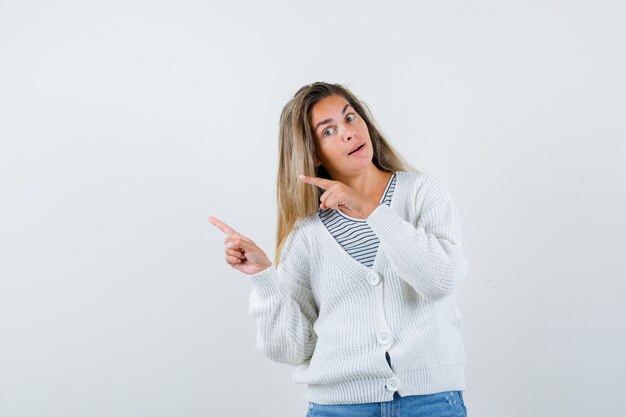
440	404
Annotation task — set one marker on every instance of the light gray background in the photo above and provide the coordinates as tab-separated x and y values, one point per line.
124	124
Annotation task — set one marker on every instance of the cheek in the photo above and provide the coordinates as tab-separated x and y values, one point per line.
335	153
363	128
328	151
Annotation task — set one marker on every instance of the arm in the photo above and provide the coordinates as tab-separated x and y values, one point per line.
283	305
429	256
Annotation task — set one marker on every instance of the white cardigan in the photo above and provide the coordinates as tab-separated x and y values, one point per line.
334	318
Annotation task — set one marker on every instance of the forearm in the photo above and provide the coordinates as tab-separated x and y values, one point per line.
428	256
284	316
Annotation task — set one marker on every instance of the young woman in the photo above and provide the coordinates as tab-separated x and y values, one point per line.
361	295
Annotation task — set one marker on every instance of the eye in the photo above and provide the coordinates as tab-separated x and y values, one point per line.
351	115
326	130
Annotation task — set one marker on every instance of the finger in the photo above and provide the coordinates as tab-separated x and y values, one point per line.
324	203
334	202
232	242
329	199
325	196
231	260
222	226
227	229
234	252
239	243
330	203
320	182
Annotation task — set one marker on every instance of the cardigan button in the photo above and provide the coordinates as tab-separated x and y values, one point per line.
373	278
392	384
384	338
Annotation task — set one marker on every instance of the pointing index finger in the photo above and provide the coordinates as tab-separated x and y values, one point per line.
320	182
222	226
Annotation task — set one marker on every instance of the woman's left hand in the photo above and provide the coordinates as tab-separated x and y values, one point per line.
339	196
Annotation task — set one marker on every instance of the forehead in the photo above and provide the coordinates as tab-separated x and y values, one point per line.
328	107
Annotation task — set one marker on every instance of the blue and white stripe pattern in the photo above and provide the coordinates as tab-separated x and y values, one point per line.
355	235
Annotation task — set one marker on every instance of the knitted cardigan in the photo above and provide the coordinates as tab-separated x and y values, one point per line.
334	318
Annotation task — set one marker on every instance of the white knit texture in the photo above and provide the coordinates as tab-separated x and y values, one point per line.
334	318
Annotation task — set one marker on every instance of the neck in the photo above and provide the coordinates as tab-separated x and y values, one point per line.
368	182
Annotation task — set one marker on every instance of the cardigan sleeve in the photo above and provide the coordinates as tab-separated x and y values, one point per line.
283	305
427	255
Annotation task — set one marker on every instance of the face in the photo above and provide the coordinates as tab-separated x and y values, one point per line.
338	130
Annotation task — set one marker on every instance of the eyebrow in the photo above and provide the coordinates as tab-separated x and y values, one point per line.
329	120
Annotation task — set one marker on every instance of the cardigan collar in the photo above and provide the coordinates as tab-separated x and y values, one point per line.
337	253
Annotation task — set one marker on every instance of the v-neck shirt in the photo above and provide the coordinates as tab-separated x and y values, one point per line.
354	235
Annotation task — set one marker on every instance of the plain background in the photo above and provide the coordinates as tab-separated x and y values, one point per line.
124	124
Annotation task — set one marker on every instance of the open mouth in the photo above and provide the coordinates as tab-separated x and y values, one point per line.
357	149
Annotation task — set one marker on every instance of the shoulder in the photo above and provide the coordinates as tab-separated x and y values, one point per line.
425	186
300	233
295	251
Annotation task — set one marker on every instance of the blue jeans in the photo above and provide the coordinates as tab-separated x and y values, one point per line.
441	404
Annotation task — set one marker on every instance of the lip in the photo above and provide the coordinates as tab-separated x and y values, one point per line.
356	146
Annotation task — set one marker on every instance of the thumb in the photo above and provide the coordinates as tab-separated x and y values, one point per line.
239	242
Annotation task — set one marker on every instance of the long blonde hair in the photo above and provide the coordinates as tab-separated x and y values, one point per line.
296	155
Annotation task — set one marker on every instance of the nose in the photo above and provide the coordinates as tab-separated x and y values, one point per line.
348	133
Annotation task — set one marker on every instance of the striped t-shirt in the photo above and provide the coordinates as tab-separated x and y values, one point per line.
355	235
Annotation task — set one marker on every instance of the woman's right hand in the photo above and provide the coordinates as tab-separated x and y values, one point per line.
241	253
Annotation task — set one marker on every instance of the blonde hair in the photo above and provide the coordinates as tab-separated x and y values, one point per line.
297	155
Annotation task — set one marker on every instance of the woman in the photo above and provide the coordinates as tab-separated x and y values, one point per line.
361	298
